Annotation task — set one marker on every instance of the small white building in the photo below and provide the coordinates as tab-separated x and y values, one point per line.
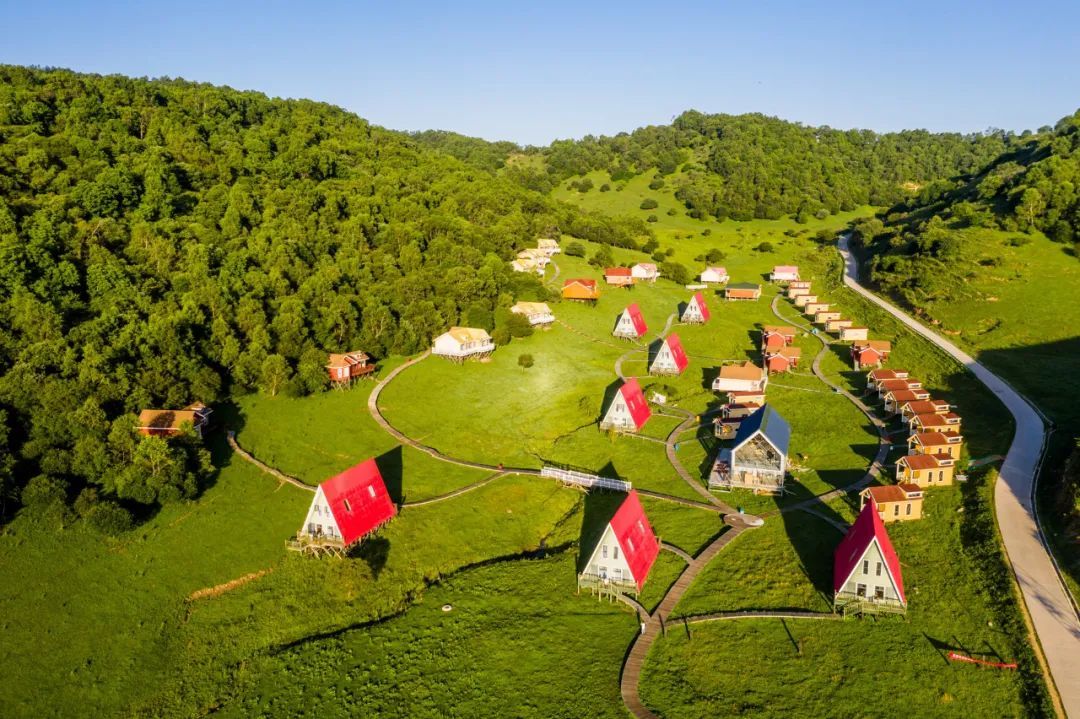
461	343
526	266
644	272
717	275
804	300
784	273
538	313
851	334
743	377
548	246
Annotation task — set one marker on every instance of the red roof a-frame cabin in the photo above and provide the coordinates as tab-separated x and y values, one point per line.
696	310
866	570
631	323
628	409
627	549
349	506
671	357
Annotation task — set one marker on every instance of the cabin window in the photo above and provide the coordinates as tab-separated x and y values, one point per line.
941	475
603	572
615	552
908	512
866	566
879	592
348	507
316	510
371	491
896	510
860	590
603	551
879	569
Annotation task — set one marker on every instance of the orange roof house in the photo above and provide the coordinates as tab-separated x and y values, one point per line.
344	368
874	376
888	385
909	409
742	291
870	353
926	470
936	443
582	290
785	332
619	276
743	377
782	360
895	398
895	502
947	423
170	422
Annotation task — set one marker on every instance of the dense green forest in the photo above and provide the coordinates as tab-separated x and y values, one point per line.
1031	187
163	242
753	166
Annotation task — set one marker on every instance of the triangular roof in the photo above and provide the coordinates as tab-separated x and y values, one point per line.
635	535
930	439
358	500
770	424
700	300
878	346
773	340
677	352
649	266
783	330
893	492
588	284
636	317
867	530
635	402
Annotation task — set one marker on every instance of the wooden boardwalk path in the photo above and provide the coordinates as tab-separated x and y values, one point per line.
230	436
654	625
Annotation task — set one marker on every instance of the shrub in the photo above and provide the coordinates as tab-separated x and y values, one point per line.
652	218
519	326
650	247
605	187
706	232
672	212
110	518
658	256
764	247
501	336
821	214
676	272
575	249
656	184
649	204
715	255
525	361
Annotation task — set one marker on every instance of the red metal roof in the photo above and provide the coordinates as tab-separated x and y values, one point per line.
358	500
700	299
635	402
853	546
617	272
677	352
637	319
635	536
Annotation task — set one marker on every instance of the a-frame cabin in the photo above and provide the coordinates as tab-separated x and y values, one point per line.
621	560
631	324
346	508
670	358
628	410
866	570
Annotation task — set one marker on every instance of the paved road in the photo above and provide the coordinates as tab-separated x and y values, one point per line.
1052	613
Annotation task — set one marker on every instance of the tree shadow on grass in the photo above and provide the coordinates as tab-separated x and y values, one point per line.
814	541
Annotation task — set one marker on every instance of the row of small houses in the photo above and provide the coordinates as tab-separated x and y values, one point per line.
536	259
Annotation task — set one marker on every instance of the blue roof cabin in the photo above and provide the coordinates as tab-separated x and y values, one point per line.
758	457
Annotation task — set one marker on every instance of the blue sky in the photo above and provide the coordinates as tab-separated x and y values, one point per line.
533	72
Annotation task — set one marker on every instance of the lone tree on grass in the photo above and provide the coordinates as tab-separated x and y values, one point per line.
525	361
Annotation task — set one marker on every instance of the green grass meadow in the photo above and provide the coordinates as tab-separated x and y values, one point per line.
101	626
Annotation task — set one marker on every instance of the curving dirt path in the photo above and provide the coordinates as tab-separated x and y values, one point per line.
230	437
1048	602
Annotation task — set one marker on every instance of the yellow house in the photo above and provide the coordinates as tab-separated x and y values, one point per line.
935	443
948	423
925	470
895	502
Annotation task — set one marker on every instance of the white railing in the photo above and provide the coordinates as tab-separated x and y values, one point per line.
581	479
